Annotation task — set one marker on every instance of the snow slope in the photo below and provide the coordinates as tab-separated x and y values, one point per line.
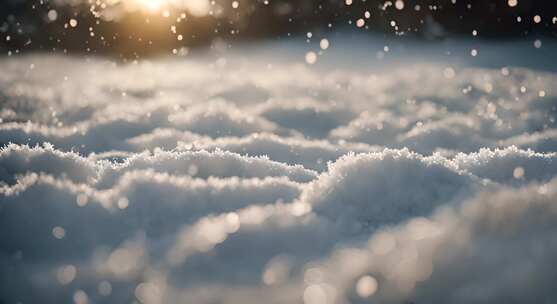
243	181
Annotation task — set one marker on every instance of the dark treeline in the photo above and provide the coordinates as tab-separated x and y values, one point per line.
25	25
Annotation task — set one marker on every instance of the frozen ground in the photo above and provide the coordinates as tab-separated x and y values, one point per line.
251	177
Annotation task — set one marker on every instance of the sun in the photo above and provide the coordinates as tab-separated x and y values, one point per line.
194	7
148	6
151	6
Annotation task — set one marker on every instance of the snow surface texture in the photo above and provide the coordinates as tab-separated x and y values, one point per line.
187	182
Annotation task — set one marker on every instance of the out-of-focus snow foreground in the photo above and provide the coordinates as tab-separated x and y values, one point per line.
233	181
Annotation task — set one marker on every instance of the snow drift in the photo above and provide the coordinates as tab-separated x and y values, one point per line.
223	181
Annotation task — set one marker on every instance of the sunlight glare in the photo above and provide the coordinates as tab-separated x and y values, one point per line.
197	8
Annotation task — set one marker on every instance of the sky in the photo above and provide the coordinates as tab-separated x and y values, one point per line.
133	28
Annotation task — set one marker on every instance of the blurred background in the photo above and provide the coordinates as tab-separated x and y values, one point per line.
135	28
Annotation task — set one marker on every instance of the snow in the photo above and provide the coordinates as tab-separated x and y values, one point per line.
496	247
238	179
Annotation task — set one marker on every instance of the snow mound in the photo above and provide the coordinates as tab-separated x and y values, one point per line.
217	119
203	164
509	165
365	189
493	248
312	154
18	160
